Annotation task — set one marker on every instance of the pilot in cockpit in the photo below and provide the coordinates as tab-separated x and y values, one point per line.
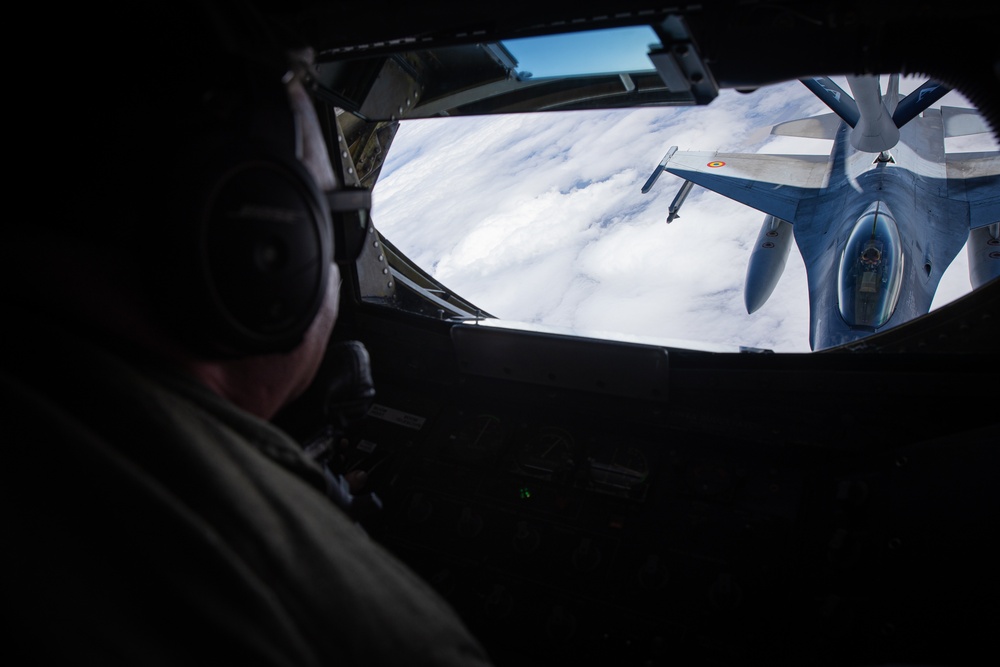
871	255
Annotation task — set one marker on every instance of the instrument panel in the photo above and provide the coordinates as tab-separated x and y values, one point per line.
554	531
676	521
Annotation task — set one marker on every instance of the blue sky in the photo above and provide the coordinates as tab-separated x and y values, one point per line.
538	218
576	53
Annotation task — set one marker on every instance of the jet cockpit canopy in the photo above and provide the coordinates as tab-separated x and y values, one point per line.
871	270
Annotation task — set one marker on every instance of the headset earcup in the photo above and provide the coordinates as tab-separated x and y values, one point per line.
243	261
263	255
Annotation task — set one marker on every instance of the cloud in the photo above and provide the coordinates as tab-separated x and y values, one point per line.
539	218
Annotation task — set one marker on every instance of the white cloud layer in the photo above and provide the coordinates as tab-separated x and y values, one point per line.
539	218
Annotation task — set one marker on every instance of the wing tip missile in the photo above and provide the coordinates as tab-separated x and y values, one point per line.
675	205
659	170
652	178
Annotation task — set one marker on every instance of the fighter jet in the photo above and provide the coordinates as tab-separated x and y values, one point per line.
877	221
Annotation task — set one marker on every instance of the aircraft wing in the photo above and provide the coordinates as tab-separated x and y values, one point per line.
824	126
773	184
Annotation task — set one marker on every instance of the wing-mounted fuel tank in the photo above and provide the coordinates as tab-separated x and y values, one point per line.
984	255
767	261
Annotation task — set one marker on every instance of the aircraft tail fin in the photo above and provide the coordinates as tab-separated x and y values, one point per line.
834	97
824	126
917	101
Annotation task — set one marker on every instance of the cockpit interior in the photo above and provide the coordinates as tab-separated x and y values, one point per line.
592	501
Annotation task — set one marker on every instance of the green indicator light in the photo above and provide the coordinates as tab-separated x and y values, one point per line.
524	492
